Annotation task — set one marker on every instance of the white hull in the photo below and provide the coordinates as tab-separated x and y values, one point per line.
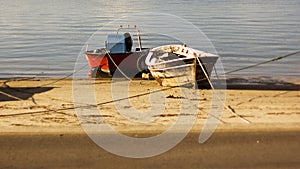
176	65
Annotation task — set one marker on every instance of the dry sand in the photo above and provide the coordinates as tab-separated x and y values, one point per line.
39	127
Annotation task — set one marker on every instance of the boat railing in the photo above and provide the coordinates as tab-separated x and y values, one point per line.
135	29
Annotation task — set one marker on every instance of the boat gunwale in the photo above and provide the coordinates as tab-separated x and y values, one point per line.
173	67
165	47
182	59
104	53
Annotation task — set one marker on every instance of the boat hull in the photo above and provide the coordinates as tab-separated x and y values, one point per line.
105	64
186	72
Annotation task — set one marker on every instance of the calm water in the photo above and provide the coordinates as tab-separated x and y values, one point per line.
44	37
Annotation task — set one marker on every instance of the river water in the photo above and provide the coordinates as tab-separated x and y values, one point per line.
44	37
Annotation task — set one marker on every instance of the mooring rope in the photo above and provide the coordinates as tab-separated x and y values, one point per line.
65	77
224	104
117	66
206	75
264	62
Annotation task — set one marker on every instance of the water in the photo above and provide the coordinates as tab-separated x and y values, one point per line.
44	37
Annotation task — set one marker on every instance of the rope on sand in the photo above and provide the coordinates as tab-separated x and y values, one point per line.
65	77
224	104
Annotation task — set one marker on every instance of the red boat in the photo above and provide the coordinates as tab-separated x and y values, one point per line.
118	56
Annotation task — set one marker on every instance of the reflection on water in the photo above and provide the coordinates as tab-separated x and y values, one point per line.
45	37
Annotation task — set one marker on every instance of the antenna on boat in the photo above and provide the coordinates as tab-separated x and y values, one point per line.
139	40
87	47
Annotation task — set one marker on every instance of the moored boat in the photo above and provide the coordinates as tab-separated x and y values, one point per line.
178	65
118	54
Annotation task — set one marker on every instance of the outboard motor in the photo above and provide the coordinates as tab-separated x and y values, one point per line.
119	43
128	42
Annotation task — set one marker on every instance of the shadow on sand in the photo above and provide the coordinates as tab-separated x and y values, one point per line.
260	84
20	93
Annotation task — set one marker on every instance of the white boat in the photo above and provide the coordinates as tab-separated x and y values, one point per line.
178	65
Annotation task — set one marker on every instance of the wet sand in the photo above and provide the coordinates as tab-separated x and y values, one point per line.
39	128
223	150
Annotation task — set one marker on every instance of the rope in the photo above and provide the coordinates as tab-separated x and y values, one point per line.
271	60
118	66
11	96
65	77
224	104
206	75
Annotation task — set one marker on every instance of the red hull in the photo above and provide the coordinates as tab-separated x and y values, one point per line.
127	62
98	60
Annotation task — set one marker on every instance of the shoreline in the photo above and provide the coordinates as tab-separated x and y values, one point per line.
232	82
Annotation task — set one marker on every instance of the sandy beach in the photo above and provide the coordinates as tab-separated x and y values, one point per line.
39	127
